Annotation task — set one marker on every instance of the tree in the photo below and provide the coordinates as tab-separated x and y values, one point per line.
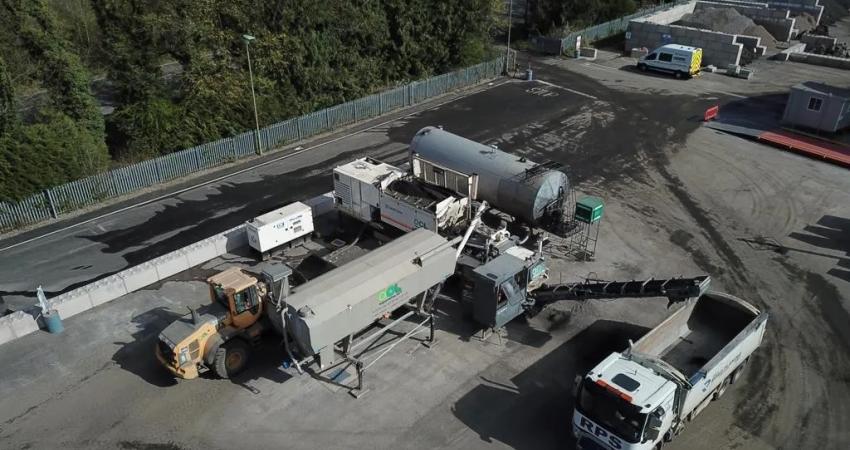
65	141
7	100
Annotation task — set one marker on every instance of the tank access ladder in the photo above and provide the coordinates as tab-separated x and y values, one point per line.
675	289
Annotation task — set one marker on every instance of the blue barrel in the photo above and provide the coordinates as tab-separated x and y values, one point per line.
53	321
528	75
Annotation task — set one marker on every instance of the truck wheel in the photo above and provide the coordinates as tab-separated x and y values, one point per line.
721	390
642	67
736	375
231	358
679	75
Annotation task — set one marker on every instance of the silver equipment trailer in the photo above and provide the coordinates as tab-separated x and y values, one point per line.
334	307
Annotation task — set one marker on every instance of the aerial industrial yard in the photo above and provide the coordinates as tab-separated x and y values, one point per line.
681	199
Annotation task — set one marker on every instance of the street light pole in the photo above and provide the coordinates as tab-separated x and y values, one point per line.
248	38
510	25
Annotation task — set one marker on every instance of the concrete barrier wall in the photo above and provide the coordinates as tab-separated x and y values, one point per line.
751	43
16	325
71	303
820	60
813	41
784	54
719	49
796	7
107	289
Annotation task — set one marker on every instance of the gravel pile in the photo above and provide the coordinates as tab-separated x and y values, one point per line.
727	20
805	22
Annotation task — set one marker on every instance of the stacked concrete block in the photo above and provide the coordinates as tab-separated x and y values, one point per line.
785	54
812	7
72	303
639	53
234	238
139	276
719	49
107	289
200	252
321	204
15	325
813	41
751	43
171	264
587	53
820	60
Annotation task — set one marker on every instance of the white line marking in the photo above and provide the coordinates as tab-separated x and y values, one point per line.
727	93
568	90
215	180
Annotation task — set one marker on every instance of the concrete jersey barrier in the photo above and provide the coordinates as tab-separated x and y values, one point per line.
69	304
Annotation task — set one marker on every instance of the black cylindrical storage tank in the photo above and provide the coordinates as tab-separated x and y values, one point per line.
509	183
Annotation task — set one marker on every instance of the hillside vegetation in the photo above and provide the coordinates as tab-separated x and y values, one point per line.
176	71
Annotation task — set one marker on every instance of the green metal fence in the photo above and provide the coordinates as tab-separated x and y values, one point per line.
66	198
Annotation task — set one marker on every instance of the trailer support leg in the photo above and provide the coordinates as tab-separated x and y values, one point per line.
360	390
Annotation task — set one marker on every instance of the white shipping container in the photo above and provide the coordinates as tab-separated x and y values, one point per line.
280	227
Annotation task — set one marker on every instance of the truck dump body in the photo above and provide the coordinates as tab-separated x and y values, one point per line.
695	334
709	328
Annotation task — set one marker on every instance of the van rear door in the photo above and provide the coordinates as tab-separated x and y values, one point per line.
696	61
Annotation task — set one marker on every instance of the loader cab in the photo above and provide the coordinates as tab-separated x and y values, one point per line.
240	294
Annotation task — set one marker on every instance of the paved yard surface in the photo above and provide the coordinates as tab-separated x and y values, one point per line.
768	226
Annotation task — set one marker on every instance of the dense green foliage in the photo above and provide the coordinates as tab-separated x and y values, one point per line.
558	17
65	139
177	70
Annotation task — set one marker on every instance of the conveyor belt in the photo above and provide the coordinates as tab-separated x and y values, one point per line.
675	289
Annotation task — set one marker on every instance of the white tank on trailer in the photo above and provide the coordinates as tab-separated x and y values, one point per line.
512	184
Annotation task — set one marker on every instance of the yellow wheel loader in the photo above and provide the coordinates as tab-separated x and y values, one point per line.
219	336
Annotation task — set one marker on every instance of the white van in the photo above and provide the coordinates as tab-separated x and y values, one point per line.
680	60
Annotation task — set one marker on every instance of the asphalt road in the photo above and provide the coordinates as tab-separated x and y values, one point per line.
768	226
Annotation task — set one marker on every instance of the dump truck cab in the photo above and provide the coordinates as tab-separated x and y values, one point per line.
219	335
618	406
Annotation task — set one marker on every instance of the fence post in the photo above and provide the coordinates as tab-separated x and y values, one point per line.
298	126
354	105
49	196
381	103
328	117
114	183
158	172
197	159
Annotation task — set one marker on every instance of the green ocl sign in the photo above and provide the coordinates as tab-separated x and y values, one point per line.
388	293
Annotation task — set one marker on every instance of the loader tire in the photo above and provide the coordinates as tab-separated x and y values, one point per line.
231	358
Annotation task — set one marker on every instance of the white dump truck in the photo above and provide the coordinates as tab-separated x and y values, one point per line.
644	396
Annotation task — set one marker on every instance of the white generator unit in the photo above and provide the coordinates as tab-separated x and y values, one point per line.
279	227
358	186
